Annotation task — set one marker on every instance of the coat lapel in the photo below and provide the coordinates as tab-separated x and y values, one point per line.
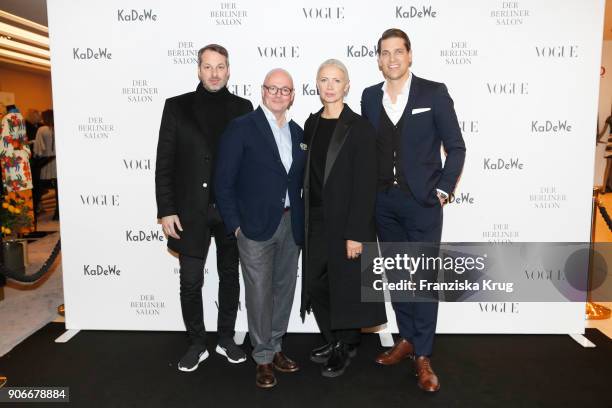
377	106
266	131
295	145
337	140
412	96
309	133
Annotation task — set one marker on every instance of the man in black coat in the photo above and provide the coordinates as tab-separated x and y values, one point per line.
190	129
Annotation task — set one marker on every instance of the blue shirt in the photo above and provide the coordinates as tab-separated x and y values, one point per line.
282	137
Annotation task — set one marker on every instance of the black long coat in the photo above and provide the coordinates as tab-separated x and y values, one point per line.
184	166
349	197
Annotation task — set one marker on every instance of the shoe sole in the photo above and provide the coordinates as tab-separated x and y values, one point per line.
338	373
322	360
429	391
203	357
220	350
285	370
264	386
407	356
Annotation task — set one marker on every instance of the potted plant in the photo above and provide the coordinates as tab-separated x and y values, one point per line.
14	217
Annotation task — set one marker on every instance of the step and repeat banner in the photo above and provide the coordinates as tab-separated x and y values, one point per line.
524	76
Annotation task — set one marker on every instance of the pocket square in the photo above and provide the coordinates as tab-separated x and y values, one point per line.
303	146
420	110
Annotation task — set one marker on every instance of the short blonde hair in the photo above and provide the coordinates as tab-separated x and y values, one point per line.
334	63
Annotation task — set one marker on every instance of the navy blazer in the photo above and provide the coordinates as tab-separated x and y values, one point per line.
422	136
251	181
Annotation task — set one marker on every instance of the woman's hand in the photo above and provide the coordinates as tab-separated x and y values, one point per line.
353	249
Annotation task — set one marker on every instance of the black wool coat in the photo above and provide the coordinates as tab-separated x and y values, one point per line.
184	167
349	197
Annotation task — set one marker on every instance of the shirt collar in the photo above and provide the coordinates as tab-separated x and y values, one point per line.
405	90
270	116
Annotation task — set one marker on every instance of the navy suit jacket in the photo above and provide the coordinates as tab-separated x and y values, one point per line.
251	181
422	136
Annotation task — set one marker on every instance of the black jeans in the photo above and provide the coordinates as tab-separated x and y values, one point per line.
317	281
192	278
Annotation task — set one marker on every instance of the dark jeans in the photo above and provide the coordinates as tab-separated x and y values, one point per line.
317	282
400	218
192	279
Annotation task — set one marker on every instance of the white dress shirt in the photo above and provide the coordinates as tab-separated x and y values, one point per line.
282	137
396	110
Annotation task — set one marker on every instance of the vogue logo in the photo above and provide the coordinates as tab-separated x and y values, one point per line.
550	126
468	126
414	12
101	270
559	51
144	236
90	53
137	164
503	164
502	308
243	90
100	200
355	51
136	15
282	51
508	88
545	275
462	198
324	13
308	89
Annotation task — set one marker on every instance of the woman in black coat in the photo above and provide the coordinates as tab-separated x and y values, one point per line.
340	194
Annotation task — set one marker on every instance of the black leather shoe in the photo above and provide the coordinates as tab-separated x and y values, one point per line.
337	362
321	354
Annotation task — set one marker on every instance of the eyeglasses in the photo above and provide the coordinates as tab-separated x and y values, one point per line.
273	90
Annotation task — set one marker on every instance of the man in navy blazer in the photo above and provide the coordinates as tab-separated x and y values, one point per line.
414	118
258	186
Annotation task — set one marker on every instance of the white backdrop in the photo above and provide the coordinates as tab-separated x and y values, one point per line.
515	69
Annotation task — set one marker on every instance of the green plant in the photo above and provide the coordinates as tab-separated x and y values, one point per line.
14	216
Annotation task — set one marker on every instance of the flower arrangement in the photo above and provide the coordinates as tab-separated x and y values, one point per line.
14	216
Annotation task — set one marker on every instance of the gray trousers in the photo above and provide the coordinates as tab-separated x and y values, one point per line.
270	272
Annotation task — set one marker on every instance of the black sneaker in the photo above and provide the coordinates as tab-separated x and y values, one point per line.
229	349
193	357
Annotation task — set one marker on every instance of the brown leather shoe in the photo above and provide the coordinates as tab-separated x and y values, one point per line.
428	380
401	350
264	376
284	364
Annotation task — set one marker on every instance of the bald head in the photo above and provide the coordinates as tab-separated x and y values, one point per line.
277	92
278	73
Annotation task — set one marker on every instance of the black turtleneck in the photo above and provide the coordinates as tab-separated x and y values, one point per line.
215	114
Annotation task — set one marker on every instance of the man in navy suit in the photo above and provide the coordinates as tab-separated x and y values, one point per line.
414	117
258	186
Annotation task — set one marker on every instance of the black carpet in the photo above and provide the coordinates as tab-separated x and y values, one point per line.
138	369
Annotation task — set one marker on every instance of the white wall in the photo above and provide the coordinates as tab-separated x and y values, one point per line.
518	65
